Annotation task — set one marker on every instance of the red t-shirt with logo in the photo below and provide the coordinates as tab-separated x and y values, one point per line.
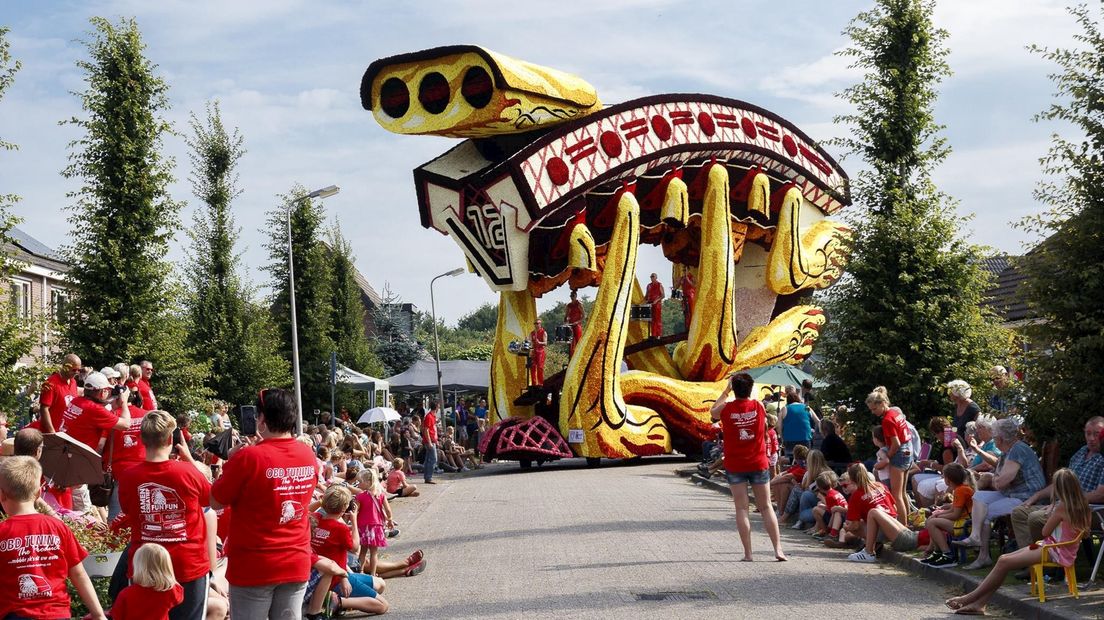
164	502
861	503
127	448
36	553
332	539
744	424
834	498
87	421
893	425
57	393
137	602
269	486
149	401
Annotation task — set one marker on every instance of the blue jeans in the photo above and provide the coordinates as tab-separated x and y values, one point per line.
430	461
113	507
806	504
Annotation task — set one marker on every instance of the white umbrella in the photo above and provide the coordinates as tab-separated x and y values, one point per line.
379	414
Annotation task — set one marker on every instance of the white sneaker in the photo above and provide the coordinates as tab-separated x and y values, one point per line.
862	556
797	526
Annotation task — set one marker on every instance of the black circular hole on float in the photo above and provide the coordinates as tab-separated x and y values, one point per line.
477	87
434	93
394	98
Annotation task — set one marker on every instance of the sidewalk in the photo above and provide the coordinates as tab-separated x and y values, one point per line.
1015	598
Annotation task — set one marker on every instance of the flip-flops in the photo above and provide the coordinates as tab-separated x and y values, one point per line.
414	558
415	569
969	612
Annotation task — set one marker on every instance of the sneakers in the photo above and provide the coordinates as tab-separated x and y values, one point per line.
797	526
862	557
393	532
945	560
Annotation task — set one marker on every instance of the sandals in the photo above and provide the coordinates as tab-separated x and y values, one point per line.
415	569
414	558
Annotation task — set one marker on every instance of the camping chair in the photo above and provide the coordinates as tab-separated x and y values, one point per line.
1098	514
1038	584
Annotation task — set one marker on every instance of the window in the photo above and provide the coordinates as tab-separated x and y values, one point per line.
21	298
59	304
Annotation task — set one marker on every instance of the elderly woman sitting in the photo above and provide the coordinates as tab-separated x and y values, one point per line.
1017	477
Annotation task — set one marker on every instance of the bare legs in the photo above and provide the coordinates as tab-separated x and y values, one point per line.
975	601
878	521
897	488
743	522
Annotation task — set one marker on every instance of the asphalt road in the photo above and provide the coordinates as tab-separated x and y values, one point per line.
565	541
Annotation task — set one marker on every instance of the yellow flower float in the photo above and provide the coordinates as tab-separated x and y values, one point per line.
551	189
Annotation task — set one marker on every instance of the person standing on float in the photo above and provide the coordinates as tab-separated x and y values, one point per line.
654	296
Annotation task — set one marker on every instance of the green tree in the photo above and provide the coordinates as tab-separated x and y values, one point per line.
1065	275
313	291
484	318
396	349
224	327
351	344
908	315
123	219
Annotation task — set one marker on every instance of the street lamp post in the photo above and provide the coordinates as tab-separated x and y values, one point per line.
325	192
437	344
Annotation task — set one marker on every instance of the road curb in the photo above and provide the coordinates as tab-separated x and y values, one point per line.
1024	608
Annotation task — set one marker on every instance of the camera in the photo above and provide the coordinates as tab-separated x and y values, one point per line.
117	390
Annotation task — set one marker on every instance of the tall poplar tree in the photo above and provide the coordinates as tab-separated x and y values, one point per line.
313	291
350	342
123	307
908	315
1065	282
224	327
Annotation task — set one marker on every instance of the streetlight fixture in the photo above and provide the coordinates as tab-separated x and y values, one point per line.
437	344
325	192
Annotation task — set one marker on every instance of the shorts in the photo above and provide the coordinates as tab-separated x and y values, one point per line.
749	477
363	586
907	540
902	460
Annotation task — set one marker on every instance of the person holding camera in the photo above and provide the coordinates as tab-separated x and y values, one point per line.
87	418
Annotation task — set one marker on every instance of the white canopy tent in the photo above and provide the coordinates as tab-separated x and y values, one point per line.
363	383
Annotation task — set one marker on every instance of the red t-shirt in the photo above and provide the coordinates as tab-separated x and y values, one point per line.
772	442
137	602
149	401
834	498
574	313
164	502
57	393
861	503
539	338
332	539
395	480
222	516
127	448
269	486
430	426
744	424
87	421
36	553
798	472
654	293
893	425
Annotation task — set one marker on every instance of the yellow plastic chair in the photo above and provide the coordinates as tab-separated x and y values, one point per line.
1038	585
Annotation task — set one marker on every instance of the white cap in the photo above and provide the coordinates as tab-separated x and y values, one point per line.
109	372
96	381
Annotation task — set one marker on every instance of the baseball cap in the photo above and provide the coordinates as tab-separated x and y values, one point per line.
96	381
109	372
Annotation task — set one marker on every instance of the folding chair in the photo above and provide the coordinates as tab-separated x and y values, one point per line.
1098	514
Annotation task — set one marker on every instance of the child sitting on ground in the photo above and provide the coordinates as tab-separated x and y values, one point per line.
153	589
873	505
951	517
32	576
833	505
396	481
334	535
783	483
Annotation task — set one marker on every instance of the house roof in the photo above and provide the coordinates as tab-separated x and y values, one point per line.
366	288
1005	298
996	264
31	250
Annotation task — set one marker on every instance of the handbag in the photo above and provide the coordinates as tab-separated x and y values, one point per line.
101	493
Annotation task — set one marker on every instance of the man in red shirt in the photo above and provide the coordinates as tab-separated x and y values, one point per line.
429	442
269	486
149	401
574	317
87	419
654	296
58	391
689	296
539	339
164	500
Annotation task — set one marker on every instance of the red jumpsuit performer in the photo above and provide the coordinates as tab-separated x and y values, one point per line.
574	317
689	293
654	296
539	339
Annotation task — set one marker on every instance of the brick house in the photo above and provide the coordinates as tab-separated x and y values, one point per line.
37	288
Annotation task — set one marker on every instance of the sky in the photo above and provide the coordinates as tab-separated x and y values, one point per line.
286	73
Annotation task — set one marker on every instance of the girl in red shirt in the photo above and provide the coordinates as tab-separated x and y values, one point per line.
871	502
743	423
153	590
897	438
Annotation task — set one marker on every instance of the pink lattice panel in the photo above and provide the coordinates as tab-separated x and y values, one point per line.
533	436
